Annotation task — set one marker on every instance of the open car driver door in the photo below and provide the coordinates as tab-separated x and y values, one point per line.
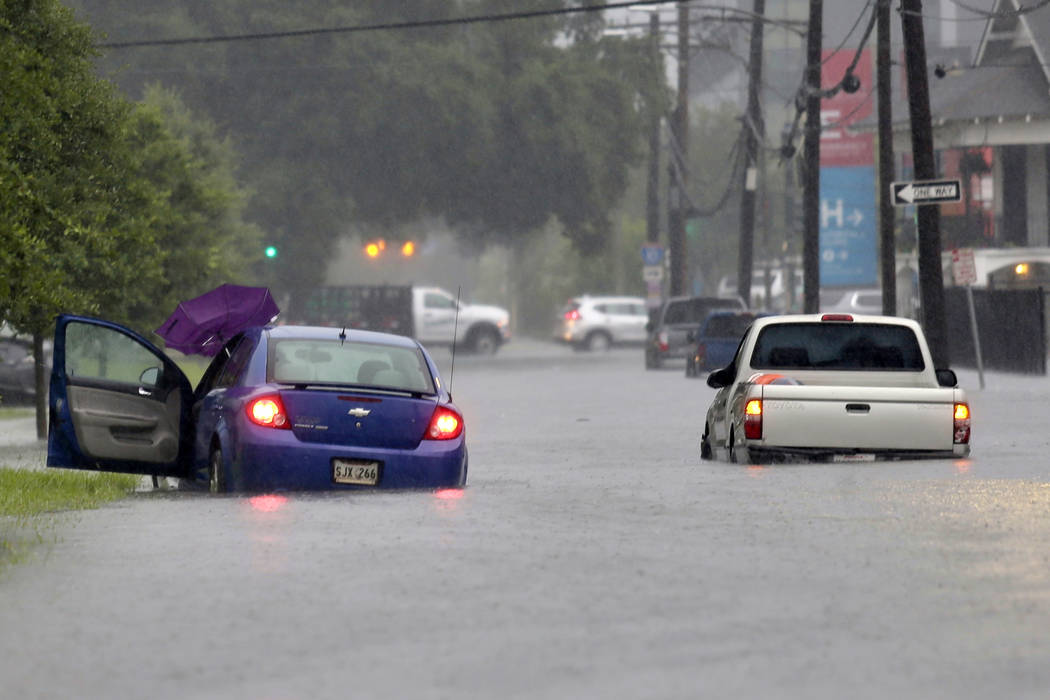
117	403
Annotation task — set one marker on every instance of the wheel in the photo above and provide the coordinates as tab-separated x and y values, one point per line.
705	445
216	474
484	341
732	448
598	341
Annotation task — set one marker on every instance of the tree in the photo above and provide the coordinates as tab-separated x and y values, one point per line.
496	127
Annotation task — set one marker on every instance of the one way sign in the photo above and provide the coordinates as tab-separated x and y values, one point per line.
926	192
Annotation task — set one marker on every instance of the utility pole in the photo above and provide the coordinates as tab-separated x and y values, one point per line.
811	157
652	201
887	242
679	151
931	277
754	134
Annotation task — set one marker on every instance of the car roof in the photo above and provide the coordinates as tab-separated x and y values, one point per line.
332	333
818	318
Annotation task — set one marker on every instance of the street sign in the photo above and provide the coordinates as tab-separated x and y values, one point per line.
925	192
652	273
652	254
964	271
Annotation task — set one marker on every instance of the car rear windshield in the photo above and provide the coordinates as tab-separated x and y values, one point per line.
307	361
728	326
837	346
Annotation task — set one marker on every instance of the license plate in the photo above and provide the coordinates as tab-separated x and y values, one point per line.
355	471
860	457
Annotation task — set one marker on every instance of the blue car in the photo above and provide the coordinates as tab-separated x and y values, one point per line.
279	408
716	339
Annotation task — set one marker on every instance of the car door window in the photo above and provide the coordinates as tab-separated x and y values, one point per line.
99	353
438	301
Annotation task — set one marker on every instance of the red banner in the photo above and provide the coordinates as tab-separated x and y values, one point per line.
839	144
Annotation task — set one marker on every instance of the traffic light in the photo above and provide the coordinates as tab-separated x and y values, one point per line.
270	251
408	249
372	249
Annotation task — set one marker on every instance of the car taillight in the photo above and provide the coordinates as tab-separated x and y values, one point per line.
268	411
753	419
573	315
662	340
700	358
962	424
445	424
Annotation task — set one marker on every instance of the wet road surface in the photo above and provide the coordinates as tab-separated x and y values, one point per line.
591	556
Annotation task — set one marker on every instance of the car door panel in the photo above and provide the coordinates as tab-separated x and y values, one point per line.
117	402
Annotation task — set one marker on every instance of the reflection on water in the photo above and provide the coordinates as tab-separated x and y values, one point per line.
267	503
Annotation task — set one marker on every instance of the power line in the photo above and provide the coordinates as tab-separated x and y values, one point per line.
383	26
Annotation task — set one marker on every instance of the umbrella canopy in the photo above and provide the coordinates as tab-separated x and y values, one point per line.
202	325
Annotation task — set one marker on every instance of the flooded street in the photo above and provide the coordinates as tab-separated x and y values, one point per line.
591	555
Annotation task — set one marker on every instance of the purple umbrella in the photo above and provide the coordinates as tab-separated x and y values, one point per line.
202	325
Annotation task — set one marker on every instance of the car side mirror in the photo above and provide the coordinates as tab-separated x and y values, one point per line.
946	377
150	377
721	377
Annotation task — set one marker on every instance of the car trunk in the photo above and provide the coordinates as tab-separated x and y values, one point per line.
858	417
358	419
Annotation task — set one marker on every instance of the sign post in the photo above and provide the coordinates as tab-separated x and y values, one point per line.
964	271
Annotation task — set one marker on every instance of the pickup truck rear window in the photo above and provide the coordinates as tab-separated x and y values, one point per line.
837	346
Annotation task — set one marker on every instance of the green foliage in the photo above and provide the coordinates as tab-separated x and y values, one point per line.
497	128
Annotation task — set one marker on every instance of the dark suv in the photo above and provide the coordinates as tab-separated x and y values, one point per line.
669	333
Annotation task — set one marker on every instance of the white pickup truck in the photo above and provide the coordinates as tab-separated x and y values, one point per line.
835	387
431	315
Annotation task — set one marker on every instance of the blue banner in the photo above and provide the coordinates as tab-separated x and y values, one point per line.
848	230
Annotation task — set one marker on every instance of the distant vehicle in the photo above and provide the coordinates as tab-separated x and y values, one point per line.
835	387
597	323
716	340
18	371
667	337
280	407
431	315
863	300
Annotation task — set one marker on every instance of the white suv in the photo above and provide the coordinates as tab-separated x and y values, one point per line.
597	323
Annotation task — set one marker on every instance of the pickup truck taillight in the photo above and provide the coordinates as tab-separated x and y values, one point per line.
962	424
753	419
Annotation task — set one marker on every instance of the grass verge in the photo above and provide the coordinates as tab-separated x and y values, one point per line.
29	496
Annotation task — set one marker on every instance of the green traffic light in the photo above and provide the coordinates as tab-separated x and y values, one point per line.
271	251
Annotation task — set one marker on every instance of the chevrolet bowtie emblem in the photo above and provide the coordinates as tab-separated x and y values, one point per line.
358	412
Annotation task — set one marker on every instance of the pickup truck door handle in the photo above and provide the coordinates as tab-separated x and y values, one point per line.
857	408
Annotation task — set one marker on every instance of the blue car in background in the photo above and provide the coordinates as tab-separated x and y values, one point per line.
278	408
715	340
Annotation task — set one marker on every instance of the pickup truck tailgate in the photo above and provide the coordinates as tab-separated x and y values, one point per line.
897	418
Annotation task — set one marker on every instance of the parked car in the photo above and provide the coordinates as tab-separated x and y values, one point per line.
863	300
18	371
716	340
668	335
598	322
280	407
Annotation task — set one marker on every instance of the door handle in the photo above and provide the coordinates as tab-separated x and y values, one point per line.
858	408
